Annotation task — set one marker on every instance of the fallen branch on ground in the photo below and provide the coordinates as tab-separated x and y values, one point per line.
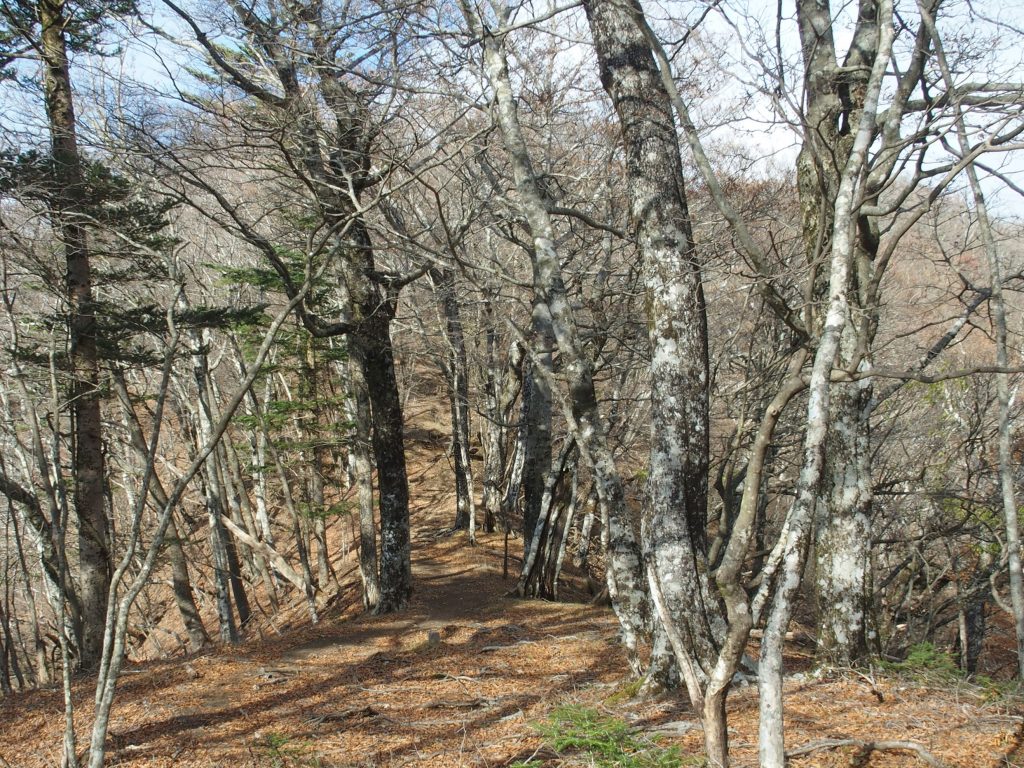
865	748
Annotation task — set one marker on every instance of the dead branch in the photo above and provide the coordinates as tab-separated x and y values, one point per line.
865	748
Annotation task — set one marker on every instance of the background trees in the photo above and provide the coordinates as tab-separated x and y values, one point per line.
700	378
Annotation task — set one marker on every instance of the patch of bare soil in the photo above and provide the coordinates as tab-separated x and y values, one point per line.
457	679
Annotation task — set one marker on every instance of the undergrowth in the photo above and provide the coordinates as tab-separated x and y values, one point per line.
926	658
584	736
927	663
276	750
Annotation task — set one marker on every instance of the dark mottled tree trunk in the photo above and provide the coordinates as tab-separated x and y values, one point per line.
536	421
370	347
88	463
674	520
362	470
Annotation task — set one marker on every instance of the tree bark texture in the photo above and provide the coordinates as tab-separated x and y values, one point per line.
359	450
370	347
675	518
790	553
624	569
88	464
835	101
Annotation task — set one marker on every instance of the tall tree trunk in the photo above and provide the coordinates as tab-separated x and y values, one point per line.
88	463
310	426
537	417
675	518
553	315
215	508
835	101
235	578
456	371
791	552
231	508
370	347
258	469
362	469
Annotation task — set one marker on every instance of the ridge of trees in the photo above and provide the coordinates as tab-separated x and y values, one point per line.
727	395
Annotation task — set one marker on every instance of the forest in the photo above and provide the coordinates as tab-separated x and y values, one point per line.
719	302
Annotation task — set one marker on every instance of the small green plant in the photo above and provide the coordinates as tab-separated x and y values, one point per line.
625	692
275	747
925	658
925	663
998	690
604	742
930	665
280	752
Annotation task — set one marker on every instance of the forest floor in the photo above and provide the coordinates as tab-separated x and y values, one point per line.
359	690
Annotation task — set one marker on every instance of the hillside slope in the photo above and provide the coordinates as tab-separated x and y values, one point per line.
459	679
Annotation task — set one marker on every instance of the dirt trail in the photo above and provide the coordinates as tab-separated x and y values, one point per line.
358	690
375	690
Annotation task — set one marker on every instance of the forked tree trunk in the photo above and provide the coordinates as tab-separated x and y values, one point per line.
793	543
835	102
